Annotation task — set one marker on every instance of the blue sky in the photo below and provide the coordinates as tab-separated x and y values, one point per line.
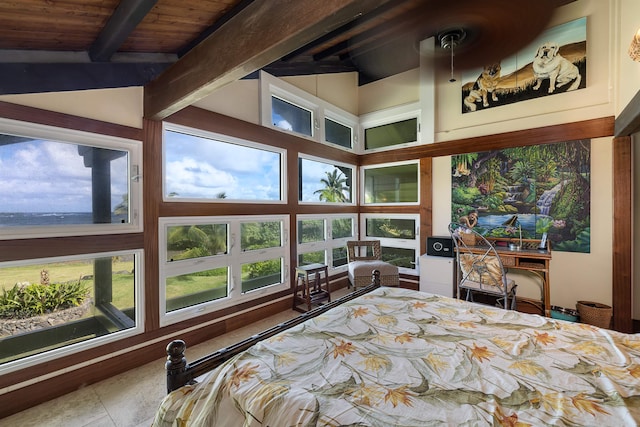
47	176
201	167
205	167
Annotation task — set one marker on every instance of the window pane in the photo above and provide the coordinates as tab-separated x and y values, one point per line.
260	235
399	256
77	300
196	288
391	184
390	134
288	116
55	183
323	182
311	258
311	230
341	228
337	133
391	228
203	168
195	241
339	256
259	274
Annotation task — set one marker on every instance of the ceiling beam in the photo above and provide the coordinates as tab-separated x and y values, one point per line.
123	21
259	35
16	78
341	30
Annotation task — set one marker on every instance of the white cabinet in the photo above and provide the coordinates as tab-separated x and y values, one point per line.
437	275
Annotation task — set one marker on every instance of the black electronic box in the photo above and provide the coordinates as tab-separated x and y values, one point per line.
440	246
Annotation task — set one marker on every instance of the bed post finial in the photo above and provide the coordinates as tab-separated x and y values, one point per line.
375	277
176	364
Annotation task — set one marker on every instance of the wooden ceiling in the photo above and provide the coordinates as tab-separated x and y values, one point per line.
182	50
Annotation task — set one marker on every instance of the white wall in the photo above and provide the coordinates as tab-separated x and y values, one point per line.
121	106
628	75
241	99
339	89
397	90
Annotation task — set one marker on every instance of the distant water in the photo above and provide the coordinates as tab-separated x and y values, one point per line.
12	219
527	221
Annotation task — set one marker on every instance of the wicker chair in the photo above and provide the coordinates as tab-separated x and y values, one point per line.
364	256
480	268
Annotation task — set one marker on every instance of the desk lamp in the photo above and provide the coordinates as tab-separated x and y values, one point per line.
512	222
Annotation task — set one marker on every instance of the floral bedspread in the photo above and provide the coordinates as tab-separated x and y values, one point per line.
397	357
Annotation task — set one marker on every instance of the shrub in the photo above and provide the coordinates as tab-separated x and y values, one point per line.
36	299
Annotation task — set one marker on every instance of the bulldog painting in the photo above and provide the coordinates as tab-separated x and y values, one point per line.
549	64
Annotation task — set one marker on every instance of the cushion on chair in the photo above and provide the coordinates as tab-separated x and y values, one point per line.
360	272
483	272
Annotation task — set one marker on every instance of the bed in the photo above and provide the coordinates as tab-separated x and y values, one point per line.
397	357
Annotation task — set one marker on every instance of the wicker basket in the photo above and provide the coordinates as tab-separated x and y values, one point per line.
594	313
469	239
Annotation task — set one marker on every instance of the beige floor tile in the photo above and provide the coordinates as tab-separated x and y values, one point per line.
105	421
77	409
133	396
145	423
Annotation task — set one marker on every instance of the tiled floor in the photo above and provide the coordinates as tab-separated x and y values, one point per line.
126	400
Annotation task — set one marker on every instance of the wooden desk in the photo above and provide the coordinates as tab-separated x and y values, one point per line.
529	258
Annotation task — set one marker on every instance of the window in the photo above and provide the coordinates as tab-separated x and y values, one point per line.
215	262
288	116
325	182
398	235
391	184
287	108
402	132
109	289
323	239
56	182
391	128
337	133
203	166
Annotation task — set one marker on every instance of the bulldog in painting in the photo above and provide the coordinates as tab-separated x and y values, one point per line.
549	64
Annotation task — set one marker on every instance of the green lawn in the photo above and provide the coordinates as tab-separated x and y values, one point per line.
192	283
123	285
123	279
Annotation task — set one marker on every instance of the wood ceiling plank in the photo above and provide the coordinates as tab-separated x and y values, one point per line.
59	8
260	34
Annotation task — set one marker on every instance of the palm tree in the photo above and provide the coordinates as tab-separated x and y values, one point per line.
192	241
334	188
